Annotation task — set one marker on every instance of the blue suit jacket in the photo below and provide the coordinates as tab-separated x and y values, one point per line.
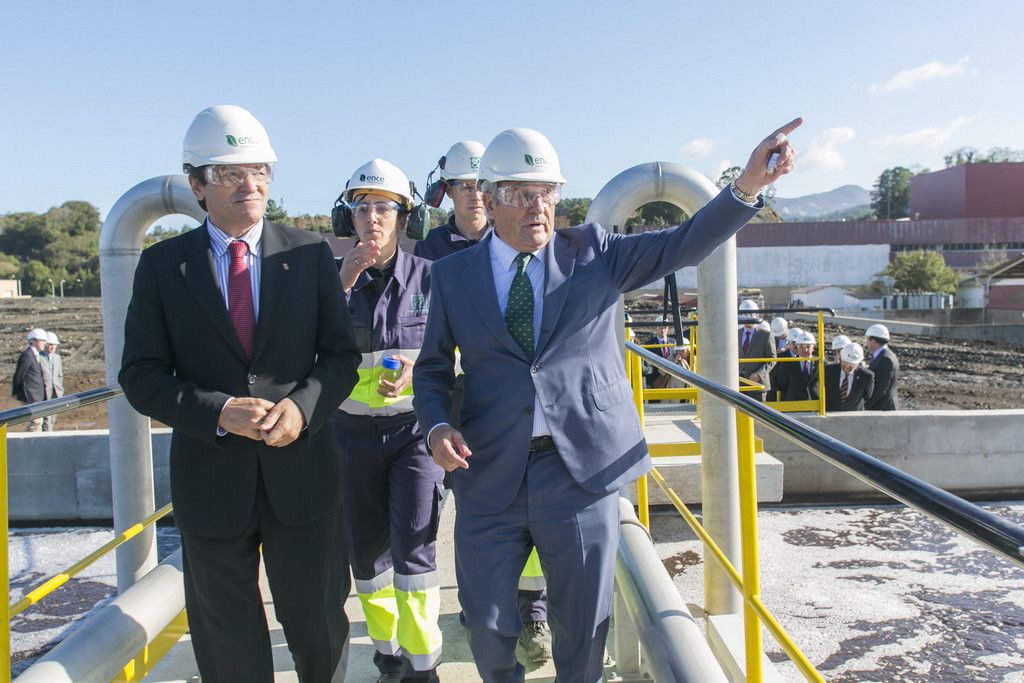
577	370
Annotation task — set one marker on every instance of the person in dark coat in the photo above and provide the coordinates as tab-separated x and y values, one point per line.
886	367
848	383
28	385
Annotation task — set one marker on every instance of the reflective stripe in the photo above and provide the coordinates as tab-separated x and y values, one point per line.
417	582
382	580
532	578
365	399
418	632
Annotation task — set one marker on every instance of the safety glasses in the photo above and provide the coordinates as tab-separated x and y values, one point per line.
233	176
367	209
464	189
521	196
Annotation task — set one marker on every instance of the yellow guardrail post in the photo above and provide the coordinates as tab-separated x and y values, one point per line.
821	362
748	541
637	373
5	567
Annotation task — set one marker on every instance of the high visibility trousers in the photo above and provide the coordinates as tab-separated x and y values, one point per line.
392	510
533	596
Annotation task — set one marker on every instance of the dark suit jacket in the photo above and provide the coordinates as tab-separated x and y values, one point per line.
577	370
761	346
794	385
27	383
182	361
886	367
861	388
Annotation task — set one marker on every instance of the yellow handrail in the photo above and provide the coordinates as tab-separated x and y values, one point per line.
55	582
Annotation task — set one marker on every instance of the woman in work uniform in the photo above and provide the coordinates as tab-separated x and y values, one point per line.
394	488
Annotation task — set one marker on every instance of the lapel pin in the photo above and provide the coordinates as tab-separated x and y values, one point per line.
285	266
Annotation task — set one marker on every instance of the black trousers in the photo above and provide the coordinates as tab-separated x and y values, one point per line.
307	567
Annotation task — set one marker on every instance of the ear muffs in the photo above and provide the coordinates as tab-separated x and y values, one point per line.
434	194
341	218
418	223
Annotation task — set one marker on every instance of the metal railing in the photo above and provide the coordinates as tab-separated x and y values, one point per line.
983	527
21	415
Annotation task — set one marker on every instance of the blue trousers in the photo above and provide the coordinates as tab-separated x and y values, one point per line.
576	533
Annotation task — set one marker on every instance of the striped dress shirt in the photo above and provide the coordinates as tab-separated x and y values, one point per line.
219	241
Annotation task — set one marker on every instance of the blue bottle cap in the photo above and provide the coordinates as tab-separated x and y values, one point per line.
390	363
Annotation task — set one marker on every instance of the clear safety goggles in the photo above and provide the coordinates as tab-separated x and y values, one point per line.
364	210
463	188
233	176
521	196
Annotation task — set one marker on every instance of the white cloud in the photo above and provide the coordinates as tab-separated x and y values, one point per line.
908	78
822	153
932	136
717	170
700	148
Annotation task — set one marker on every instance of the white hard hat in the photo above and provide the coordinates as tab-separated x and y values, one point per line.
37	333
520	154
660	319
878	331
794	333
226	134
683	345
840	342
764	325
852	353
805	338
462	162
748	305
380	176
779	327
51	338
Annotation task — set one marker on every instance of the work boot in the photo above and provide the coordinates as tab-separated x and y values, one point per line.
535	640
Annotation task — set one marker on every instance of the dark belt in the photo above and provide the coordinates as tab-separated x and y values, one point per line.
541	443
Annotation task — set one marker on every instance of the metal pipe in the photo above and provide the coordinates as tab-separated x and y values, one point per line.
98	650
672	642
131	459
56	406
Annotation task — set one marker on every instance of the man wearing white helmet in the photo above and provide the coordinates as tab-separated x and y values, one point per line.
799	381
238	338
468	221
839	343
755	343
28	384
780	328
548	431
848	383
392	486
886	367
54	376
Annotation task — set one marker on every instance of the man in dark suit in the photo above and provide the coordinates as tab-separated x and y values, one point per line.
27	385
237	336
548	432
666	348
848	383
886	367
799	381
755	343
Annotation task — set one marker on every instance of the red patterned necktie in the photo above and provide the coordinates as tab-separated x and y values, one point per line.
240	297
746	341
844	387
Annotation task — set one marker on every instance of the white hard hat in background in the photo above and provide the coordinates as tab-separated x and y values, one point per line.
226	134
840	342
764	325
520	154
462	162
805	338
779	327
683	345
378	175
748	305
878	331
852	353
37	333
51	338
793	335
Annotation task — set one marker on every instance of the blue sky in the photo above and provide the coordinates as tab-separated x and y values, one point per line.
97	96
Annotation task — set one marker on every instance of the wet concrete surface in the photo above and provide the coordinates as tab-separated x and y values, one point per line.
876	593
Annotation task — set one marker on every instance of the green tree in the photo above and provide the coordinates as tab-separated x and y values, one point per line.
35	278
9	267
437	217
315	222
275	212
574	209
963	155
657	214
921	271
728	175
890	196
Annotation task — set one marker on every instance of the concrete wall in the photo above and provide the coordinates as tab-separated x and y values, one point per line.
66	475
773	266
975	454
1004	334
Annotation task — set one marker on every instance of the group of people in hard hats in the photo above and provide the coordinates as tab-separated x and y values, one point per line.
853	380
288	380
39	375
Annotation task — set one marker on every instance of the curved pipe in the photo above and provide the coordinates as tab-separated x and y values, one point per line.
131	463
656	181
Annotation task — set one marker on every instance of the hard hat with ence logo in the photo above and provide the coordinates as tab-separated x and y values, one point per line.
852	353
226	134
380	177
462	161
520	154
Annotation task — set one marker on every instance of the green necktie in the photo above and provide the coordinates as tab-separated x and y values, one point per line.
519	311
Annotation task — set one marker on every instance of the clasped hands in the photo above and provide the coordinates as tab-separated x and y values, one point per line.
276	424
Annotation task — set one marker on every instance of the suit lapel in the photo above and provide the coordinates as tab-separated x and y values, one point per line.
559	262
275	281
198	271
478	277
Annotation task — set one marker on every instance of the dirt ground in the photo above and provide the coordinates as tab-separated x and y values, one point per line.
934	374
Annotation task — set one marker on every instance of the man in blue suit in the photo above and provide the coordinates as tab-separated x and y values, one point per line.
548	433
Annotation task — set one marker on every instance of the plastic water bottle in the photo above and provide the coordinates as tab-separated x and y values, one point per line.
391	369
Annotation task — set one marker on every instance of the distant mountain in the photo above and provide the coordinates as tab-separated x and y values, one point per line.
831	204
